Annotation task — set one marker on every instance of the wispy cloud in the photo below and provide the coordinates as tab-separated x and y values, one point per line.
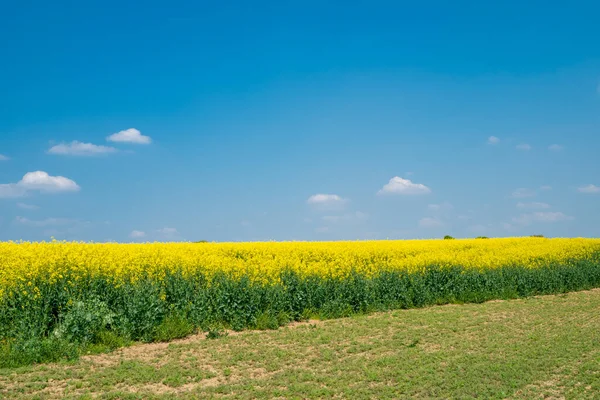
4	158
493	140
401	186
507	226
38	181
589	189
522	193
137	234
77	148
546	187
130	135
25	206
541	216
445	206
533	205
523	147
168	233
555	147
349	217
429	222
46	222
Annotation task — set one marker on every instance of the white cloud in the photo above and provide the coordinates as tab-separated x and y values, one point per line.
440	207
45	222
428	222
523	147
555	147
326	201
493	140
541	216
77	148
38	181
398	185
545	187
533	205
129	136
25	206
322	229
522	192
4	158
350	217
589	189
137	234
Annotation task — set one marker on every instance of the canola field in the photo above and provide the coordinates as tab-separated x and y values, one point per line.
58	299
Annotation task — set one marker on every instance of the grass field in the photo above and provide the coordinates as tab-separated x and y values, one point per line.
539	347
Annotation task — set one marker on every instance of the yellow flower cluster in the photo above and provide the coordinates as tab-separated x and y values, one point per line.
23	261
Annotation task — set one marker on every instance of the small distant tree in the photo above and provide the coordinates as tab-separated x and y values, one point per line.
538	236
482	237
202	241
448	237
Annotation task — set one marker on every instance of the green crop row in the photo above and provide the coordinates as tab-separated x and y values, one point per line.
63	320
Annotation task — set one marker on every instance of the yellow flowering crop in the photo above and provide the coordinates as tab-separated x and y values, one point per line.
23	261
82	293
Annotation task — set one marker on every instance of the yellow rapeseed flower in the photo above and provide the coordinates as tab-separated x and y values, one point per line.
263	262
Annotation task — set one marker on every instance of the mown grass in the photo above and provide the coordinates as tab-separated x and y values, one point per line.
539	347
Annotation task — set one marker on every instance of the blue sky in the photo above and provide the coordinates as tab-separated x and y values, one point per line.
298	120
